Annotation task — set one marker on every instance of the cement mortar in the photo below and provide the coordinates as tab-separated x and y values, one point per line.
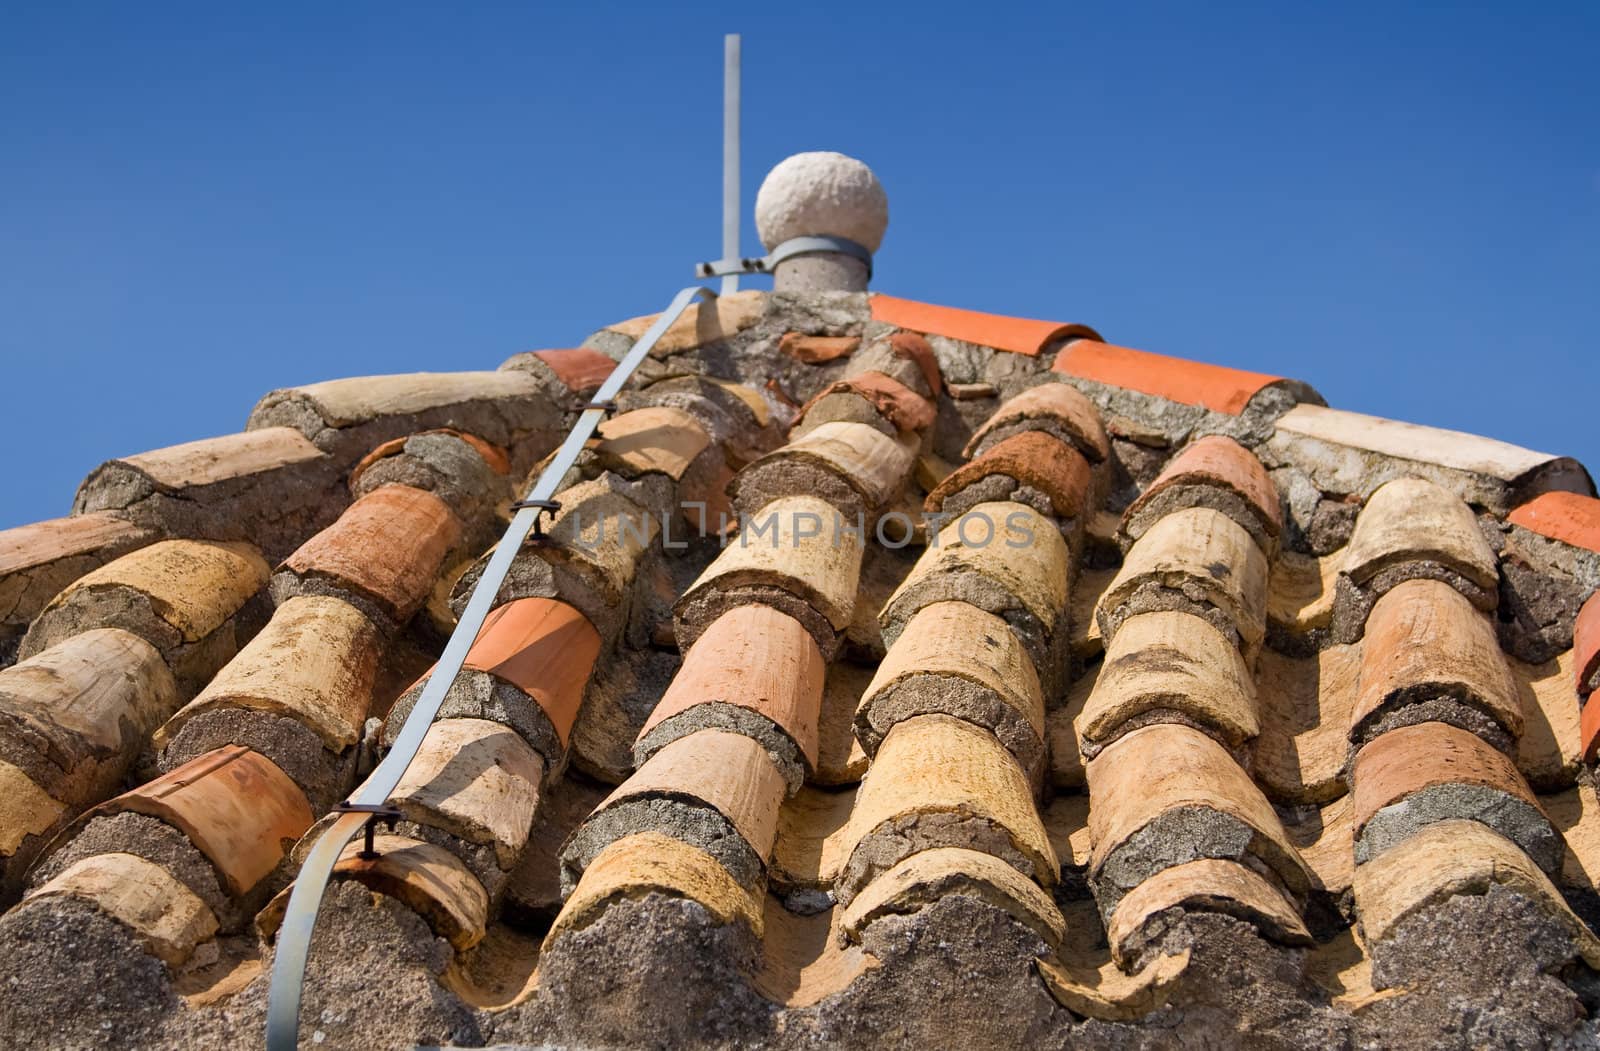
716	715
898	838
686	819
326	777
1520	822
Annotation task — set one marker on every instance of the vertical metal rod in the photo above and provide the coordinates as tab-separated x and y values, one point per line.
730	157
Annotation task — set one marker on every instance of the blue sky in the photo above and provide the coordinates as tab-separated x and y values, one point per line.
198	203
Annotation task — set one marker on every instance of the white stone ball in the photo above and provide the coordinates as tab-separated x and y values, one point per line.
821	193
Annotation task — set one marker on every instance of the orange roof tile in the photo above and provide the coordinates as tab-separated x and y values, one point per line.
581	369
1569	517
1033	458
1586	642
1018	335
1214	387
545	648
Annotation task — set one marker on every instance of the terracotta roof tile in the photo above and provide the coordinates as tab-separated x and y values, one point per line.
1455	858
1550	750
1301	592
943	782
1589	731
1110	995
817	350
492	454
1481	471
1213	387
167	918
901	406
649	862
39	559
811	843
1056	408
1206	885
1033	458
913	348
581	369
1424	641
840	757
1018	335
928	876
1166	776
389	546
212	460
478	781
701	323
956	659
546	649
1195	559
852	465
1208	472
427	879
1572	518
1410	519
27	814
658	439
1586	645
1305	705
751	658
234	805
1170	662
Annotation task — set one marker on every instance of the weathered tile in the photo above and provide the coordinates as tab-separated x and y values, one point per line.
1059	409
429	880
1426	645
1033	458
1347	452
931	875
1004	558
811	841
1213	471
1325	837
315	662
1414	776
1411	520
1305	705
1205	885
816	350
477	780
1572	518
1169	663
1108	994
1453	858
853	466
1165	794
902	407
804	959
1576	815
700	324
582	370
1198	560
547	650
269	486
38	560
388	548
72	721
167	917
941	782
1586	646
956	659
840	757
1014	334
658	439
795	555
1212	387
178	595
720	791
1301	591
1061	730
236	807
751	661
649	862
1550	750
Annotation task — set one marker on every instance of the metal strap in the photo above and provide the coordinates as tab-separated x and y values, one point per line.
795	246
294	936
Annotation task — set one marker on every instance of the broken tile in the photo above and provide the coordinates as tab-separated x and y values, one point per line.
1414	776
931	875
1455	858
1198	560
1170	663
815	350
1033	458
958	660
167	917
1213	471
1110	995
1057	409
1425	643
1572	518
1166	794
941	782
804	960
751	661
1205	885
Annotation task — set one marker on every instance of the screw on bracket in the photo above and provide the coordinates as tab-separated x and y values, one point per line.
540	506
385	812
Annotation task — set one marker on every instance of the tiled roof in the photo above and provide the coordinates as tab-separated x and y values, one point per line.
889	674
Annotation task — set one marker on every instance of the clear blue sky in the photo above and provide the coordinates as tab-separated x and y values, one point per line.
201	202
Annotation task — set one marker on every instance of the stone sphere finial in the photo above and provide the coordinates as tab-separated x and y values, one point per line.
822	194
